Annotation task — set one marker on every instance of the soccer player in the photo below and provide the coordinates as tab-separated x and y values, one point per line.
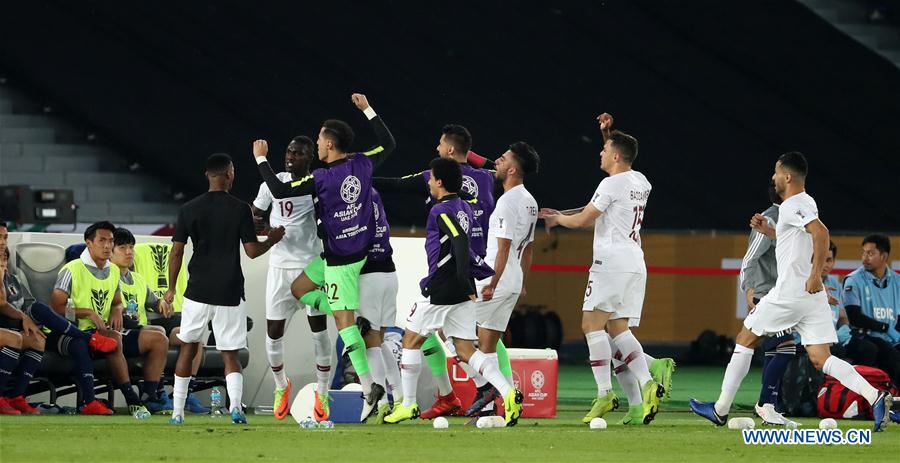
378	287
140	339
450	291
872	300
288	259
92	283
343	199
22	349
477	189
796	300
617	280
509	251
217	223
758	275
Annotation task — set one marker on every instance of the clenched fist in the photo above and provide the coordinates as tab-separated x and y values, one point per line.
360	100
260	148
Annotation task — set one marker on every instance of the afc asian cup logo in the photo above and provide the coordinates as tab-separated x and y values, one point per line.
350	189
469	186
377	212
463	220
537	379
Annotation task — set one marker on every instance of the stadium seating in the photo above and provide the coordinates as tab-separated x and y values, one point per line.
41	151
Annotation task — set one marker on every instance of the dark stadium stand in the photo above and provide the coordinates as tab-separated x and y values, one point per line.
713	94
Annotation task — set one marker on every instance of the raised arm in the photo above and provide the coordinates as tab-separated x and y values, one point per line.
409	184
386	142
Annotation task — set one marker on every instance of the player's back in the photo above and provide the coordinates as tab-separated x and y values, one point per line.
344	208
216	223
622	199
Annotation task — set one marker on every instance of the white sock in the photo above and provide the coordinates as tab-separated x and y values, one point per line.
443	384
633	356
179	394
234	382
410	367
470	372
850	378
391	371
376	365
275	355
625	378
490	370
600	355
322	349
735	372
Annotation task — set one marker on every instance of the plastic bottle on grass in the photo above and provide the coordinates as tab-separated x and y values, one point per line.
215	405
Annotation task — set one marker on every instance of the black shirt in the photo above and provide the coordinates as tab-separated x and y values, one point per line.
217	223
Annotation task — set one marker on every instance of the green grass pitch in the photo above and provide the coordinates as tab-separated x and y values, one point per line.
676	435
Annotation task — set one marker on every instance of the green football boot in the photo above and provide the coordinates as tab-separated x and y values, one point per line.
402	413
662	370
651	393
601	406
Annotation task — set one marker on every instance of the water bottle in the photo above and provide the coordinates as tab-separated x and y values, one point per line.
70	310
215	398
326	424
131	310
308	423
141	414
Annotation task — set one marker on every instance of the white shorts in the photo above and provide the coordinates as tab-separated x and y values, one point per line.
457	321
810	317
378	298
494	314
280	303
620	294
229	324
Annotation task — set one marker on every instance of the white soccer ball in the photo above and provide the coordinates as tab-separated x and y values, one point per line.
490	422
441	423
741	423
828	423
598	423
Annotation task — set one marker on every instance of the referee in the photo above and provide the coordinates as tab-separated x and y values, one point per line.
217	223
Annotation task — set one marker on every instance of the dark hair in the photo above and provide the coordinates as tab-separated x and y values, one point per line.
340	133
625	145
458	136
795	162
774	198
91	231
881	242
307	146
217	163
526	156
448	172
833	248
3	224
123	236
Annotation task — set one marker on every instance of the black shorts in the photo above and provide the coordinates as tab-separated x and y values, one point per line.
775	340
130	345
168	323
